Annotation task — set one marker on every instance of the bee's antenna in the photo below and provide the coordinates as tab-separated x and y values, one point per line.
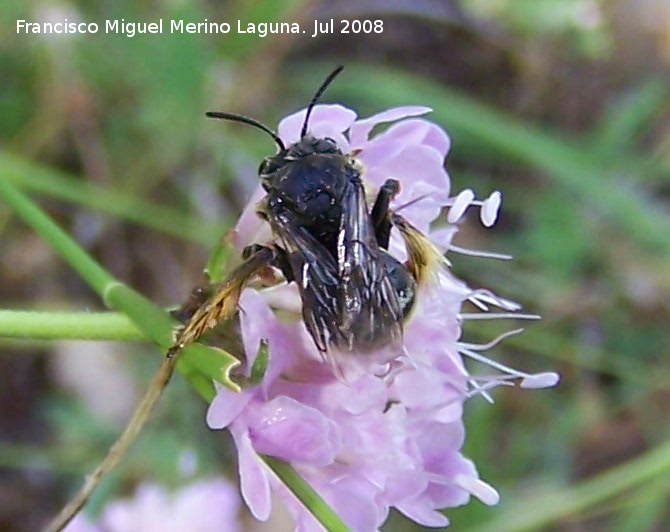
249	121
317	95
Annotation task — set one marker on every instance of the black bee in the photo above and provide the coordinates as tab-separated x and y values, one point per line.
355	295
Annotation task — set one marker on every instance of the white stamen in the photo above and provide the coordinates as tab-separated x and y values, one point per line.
460	205
492	343
477	253
482	383
479	304
478	389
488	214
492	363
497	316
482	296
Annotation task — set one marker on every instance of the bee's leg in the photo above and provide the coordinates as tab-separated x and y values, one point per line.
196	299
204	290
280	260
381	219
423	258
222	304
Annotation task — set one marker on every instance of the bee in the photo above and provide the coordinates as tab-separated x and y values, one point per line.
355	296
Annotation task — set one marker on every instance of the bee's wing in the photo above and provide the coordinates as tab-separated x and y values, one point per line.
315	272
349	303
370	313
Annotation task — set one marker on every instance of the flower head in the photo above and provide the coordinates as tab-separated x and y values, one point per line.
203	506
387	438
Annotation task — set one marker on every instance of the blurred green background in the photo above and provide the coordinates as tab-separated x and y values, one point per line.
563	105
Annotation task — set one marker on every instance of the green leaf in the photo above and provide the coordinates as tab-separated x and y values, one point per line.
213	362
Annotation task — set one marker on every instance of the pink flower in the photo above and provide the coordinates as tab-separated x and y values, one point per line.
203	506
379	440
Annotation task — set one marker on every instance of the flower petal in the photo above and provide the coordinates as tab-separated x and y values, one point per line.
421	511
416	132
259	323
353	498
226	406
250	228
325	121
360	130
254	483
293	431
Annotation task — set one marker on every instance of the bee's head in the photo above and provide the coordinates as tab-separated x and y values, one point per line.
307	145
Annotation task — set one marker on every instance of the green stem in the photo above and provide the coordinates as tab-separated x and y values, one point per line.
68	325
306	495
88	269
